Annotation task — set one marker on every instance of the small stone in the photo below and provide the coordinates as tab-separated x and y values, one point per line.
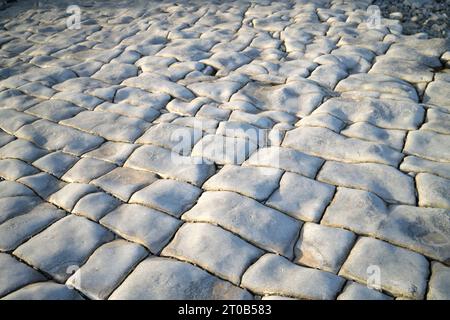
262	226
13	169
214	249
153	229
327	144
273	274
14	274
56	163
123	182
429	145
286	159
43	184
95	205
14	206
356	291
69	195
433	191
68	242
254	182
170	164
150	281
401	272
44	291
18	229
172	197
224	150
106	268
301	197
87	169
323	247
385	181
439	284
115	152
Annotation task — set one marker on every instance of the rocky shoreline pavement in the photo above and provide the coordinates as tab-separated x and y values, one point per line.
294	149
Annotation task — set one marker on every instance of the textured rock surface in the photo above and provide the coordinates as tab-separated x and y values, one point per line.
224	150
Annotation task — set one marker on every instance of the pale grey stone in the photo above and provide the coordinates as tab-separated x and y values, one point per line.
322	247
214	249
54	110
226	62
377	83
384	113
356	291
106	268
402	272
327	144
16	230
53	136
68	196
207	125
415	164
80	99
137	97
37	90
301	197
266	228
11	207
56	163
283	97
143	112
44	291
123	182
328	75
437	93
95	205
224	150
366	131
42	183
170	165
169	196
108	125
429	145
115	73
220	90
21	149
14	189
12	120
115	152
437	121
171	136
254	182
87	169
239	129
14	274
424	230
5	138
439	284
157	83
286	159
433	191
13	169
151	228
186	108
213	112
385	181
150	281
322	120
406	70
67	243
274	275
